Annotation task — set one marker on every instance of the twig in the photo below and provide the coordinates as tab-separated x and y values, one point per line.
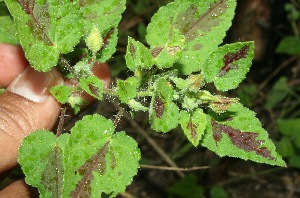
174	168
126	195
162	153
276	71
247	176
61	121
71	70
118	117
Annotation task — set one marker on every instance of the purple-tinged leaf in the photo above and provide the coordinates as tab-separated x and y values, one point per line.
240	135
159	107
96	159
164	113
193	125
230	58
243	140
46	29
96	163
227	66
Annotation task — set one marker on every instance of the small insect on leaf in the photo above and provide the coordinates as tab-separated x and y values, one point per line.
159	107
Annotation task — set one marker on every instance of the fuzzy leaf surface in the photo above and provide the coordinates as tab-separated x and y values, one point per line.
200	26
41	158
238	133
46	29
164	114
105	15
138	55
61	93
92	160
127	89
227	66
193	125
92	85
97	159
7	30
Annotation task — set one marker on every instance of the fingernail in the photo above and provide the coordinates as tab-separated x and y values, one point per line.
34	85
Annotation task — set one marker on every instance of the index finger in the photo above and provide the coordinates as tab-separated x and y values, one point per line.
13	57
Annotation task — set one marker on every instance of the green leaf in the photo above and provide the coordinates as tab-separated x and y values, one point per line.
290	128
227	66
94	41
61	93
289	45
138	56
294	161
238	133
93	86
86	163
164	114
46	29
197	27
187	187
278	92
193	125
136	106
97	159
7	31
127	89
40	157
217	192
105	15
285	147
180	83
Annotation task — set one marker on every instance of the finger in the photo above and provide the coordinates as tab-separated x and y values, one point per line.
26	106
12	63
18	189
102	71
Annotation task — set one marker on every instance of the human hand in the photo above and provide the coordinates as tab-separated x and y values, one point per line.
25	106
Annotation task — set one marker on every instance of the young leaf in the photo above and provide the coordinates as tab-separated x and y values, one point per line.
138	56
93	86
97	159
105	15
228	65
41	159
46	29
127	89
164	114
193	125
201	27
240	135
7	30
61	93
136	106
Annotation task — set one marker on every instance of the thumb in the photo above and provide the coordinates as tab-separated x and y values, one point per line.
26	106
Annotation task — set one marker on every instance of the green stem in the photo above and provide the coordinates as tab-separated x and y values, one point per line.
144	94
110	92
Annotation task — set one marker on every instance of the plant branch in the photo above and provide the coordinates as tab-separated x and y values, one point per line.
71	70
61	121
174	168
141	131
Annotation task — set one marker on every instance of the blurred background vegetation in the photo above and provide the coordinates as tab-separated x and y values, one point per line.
271	89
